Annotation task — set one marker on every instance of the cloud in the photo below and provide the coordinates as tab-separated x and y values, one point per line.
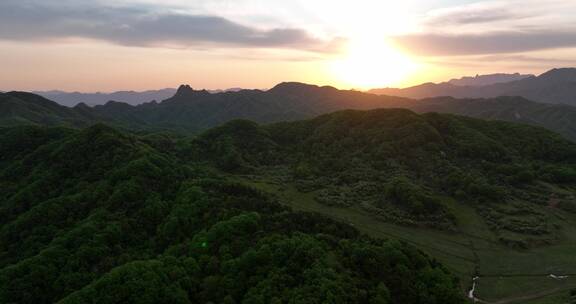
471	14
494	27
501	15
28	20
490	43
502	60
524	58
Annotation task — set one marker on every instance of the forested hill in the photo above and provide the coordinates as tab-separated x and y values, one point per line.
102	216
406	167
193	111
559	118
492	200
20	108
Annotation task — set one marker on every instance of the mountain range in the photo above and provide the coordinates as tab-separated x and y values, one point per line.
71	99
557	86
483	80
192	110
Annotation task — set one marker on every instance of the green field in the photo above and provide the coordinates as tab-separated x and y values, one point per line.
506	275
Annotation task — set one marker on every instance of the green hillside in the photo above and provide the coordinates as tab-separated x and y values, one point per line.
559	118
19	108
101	216
342	208
488	199
402	165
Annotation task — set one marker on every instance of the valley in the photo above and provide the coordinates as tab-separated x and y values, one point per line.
505	275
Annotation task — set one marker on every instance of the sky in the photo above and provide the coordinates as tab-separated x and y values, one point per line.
109	45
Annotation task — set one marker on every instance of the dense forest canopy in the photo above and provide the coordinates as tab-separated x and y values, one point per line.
403	166
100	215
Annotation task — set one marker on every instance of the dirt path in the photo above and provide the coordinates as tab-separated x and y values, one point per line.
522	299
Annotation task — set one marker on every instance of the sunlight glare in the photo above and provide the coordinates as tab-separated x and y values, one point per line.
373	64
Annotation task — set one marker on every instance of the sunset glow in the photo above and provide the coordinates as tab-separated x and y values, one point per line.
373	63
105	45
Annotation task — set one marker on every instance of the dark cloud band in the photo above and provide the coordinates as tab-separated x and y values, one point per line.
32	20
492	43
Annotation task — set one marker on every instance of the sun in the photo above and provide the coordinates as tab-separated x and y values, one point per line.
372	64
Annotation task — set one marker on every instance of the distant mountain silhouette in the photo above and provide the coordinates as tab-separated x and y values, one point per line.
556	86
483	80
71	99
131	97
192	110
